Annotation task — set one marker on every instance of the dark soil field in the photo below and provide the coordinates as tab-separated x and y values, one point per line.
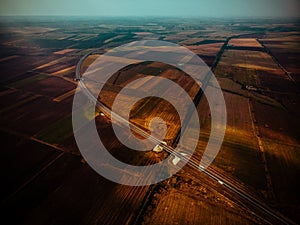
271	125
30	118
239	158
285	47
274	102
51	86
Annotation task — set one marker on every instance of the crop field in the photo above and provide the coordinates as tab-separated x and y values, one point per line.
242	66
273	105
31	121
45	178
57	132
24	167
206	49
186	209
259	70
207	52
48	86
271	125
285	48
245	42
147	109
25	64
282	157
239	156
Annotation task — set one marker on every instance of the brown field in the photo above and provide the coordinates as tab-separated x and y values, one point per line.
65	51
282	157
51	86
9	97
84	200
259	70
249	60
239	159
11	72
65	71
275	82
9	58
179	207
239	121
273	126
145	110
285	48
274	109
245	42
34	115
207	52
206	49
66	197
57	64
239	156
191	41
230	86
274	87
22	163
189	198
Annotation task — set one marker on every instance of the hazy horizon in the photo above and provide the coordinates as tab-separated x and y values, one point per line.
155	8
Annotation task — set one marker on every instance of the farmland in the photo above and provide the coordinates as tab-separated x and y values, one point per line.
272	96
47	181
245	42
284	47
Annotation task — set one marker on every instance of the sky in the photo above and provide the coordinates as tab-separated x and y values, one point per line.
173	8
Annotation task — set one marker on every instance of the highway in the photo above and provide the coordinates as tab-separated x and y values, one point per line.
271	215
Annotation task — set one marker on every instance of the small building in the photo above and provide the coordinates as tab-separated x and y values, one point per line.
158	148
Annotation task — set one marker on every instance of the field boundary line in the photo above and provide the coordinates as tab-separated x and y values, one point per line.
262	154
